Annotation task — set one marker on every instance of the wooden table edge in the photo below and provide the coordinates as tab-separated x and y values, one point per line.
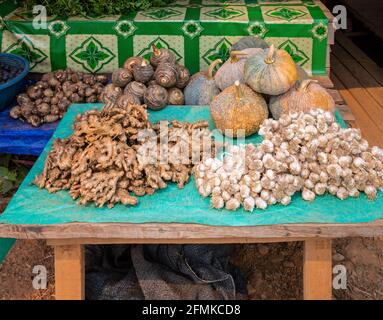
188	233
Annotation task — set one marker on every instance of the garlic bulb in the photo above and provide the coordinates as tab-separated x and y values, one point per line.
305	152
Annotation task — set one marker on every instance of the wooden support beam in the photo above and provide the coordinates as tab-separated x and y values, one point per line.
69	272
317	269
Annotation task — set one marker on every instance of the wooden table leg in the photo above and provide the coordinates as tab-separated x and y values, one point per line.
317	269
69	272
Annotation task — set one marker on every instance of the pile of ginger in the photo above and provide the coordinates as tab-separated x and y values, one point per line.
112	156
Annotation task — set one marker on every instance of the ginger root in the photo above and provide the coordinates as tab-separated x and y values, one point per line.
113	156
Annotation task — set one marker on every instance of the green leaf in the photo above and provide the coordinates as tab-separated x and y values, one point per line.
5	173
21	174
6	186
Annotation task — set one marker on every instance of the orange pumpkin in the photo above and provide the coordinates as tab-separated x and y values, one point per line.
305	95
238	110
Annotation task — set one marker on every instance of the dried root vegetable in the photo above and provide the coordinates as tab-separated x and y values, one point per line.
49	98
306	152
112	156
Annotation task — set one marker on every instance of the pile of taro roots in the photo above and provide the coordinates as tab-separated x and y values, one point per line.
112	156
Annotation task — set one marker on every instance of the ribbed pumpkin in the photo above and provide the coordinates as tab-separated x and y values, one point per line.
202	88
305	95
238	108
232	69
270	71
302	74
249	42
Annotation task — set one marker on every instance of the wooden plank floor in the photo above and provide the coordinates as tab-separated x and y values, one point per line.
369	12
360	83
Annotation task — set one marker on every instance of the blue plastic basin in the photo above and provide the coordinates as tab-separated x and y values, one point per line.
14	86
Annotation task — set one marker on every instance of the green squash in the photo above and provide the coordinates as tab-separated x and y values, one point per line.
232	69
271	71
249	42
202	88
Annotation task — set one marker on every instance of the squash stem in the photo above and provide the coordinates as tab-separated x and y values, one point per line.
211	68
305	83
270	55
234	55
237	90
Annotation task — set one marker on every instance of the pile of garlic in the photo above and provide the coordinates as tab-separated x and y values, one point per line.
306	152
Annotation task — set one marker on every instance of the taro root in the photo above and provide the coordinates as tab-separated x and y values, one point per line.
23	99
156	97
166	75
51	118
121	77
50	97
143	72
151	82
15	112
131	62
127	99
34	120
34	92
176	97
111	94
43	109
183	76
137	89
162	55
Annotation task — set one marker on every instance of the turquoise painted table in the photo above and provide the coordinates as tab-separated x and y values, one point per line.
181	216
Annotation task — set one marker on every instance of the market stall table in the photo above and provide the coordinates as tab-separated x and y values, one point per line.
174	215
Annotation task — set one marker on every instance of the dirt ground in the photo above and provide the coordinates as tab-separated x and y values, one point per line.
273	271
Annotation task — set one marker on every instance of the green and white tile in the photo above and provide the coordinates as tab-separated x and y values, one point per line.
101	18
284	2
300	49
286	15
162	14
225	14
213	48
92	53
34	48
223	2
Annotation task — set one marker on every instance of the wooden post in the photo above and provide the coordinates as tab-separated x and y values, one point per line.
317	269
69	272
